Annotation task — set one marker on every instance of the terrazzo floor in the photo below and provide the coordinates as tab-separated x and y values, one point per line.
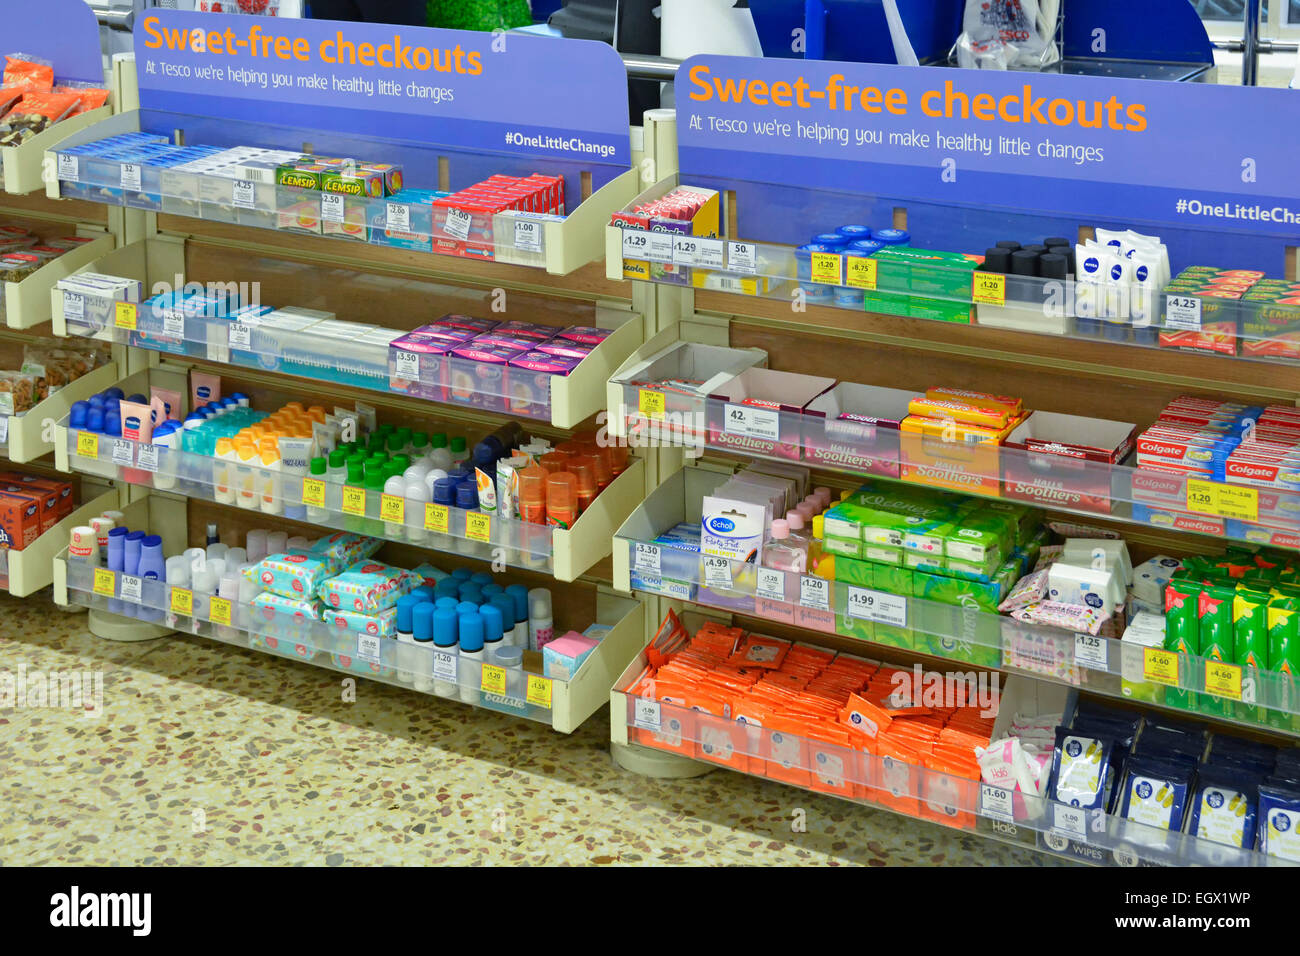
215	755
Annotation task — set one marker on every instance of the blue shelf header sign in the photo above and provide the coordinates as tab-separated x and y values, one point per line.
1190	155
64	32
500	93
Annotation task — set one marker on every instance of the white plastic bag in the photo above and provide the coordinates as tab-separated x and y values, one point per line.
1008	35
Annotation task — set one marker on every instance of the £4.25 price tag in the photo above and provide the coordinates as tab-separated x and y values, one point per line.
647	557
243	194
814	593
646	713
717	572
762	423
1183	312
996	802
878	606
771	584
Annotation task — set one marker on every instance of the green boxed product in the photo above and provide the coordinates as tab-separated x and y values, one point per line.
1250	644
882	555
353	181
299	175
971	571
858	574
946	590
917	307
895	580
1182	631
855	572
1006	578
842	547
1028	520
920	561
980	536
924	272
964	632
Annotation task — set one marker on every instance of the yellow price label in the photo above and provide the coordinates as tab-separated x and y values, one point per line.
860	273
354	501
87	445
124	315
392	508
1223	680
539	691
1222	501
826	268
1160	666
651	403
989	288
183	601
494	680
105	582
478	526
219	611
313	492
436	518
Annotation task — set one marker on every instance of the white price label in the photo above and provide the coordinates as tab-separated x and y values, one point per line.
528	235
1183	312
146	458
647	557
173	323
69	168
331	207
692	251
406	365
444	666
241	336
1070	820
132	588
651	246
458	223
397	217
764	423
647	714
1090	652
4	429
878	606
996	802
243	194
131	176
815	593
771	584
742	257
717	572
123	452
74	305
368	647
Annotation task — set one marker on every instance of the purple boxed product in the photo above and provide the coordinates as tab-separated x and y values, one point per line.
528	382
526	330
467	322
563	349
417	364
497	340
586	334
476	376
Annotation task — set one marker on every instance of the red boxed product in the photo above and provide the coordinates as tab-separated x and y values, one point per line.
1065	460
20	520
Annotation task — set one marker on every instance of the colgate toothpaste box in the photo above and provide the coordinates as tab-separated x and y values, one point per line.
1067	460
1184	448
745	416
856	428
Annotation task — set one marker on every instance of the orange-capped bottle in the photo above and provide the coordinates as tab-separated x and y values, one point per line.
532	494
561	499
583	469
554	461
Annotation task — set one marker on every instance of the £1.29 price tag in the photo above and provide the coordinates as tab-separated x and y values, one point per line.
648	246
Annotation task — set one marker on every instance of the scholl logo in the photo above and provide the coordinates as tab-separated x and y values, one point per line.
1091	264
722	525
